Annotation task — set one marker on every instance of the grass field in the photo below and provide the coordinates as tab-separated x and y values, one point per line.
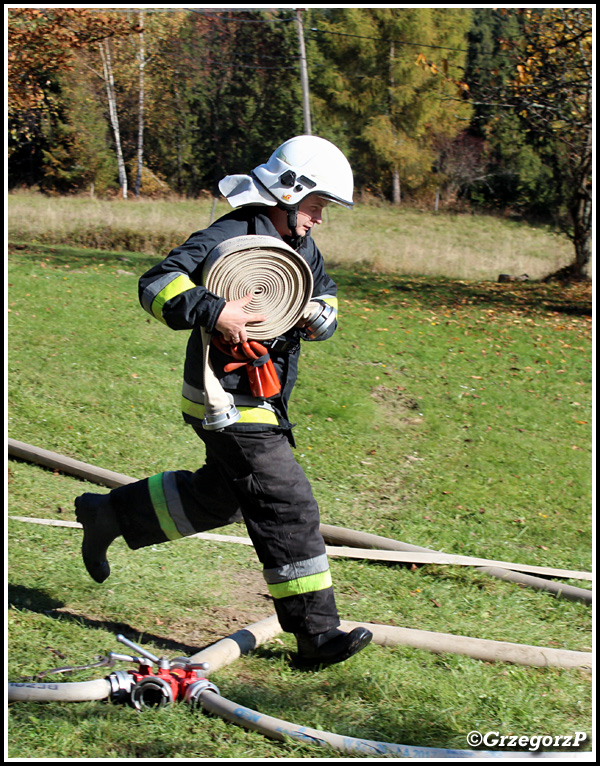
379	237
448	411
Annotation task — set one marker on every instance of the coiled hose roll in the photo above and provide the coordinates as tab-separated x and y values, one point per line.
281	284
278	278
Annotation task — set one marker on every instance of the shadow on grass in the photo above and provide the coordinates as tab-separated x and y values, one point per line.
390	291
376	724
35	600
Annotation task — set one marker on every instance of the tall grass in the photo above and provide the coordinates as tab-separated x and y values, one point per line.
383	238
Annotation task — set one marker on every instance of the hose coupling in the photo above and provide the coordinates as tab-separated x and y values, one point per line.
218	420
195	690
152	691
121	683
319	322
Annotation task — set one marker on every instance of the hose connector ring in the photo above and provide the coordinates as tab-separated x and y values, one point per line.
195	690
121	683
152	691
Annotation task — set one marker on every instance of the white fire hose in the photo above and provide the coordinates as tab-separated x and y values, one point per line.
281	284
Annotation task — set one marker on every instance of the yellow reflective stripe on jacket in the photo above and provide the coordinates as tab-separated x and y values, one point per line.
248	414
306	584
175	287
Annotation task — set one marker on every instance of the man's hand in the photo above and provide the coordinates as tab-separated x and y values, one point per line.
233	319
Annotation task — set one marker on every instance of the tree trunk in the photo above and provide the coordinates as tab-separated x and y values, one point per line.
581	210
303	74
396	192
112	110
140	148
582	240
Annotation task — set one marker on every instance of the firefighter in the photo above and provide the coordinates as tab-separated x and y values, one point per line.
249	472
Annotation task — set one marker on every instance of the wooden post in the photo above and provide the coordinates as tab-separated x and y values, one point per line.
303	75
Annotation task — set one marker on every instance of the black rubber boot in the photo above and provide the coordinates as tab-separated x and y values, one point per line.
100	528
333	646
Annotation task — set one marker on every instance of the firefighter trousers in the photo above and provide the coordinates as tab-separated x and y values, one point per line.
251	476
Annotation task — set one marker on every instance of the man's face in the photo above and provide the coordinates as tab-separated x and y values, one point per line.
310	213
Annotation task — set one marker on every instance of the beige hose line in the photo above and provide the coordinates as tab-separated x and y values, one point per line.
400	557
338	536
229	649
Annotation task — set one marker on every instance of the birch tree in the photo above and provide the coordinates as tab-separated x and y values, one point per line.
140	147
111	95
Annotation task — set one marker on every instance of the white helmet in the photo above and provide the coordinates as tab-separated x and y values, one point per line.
301	166
307	165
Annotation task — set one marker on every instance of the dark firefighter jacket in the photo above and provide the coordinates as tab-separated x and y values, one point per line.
173	293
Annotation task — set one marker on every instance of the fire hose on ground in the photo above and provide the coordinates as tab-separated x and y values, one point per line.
179	679
281	284
332	534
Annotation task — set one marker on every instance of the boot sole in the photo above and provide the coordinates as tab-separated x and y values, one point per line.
353	647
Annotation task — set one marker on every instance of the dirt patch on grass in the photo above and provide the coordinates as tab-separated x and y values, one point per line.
249	602
397	406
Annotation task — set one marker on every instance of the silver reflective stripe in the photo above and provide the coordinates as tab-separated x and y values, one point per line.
193	394
296	570
174	505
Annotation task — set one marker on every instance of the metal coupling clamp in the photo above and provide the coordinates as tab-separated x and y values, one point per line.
319	322
195	690
151	691
121	683
218	420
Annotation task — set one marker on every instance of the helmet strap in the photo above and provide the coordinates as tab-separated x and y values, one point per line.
292	222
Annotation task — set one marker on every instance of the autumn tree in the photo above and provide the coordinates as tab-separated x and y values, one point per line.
222	89
43	46
545	86
391	109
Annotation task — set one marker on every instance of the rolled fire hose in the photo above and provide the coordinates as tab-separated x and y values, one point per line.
281	284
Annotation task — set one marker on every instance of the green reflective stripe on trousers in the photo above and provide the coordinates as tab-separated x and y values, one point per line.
161	509
301	585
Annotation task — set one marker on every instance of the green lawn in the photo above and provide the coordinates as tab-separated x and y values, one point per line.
451	414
